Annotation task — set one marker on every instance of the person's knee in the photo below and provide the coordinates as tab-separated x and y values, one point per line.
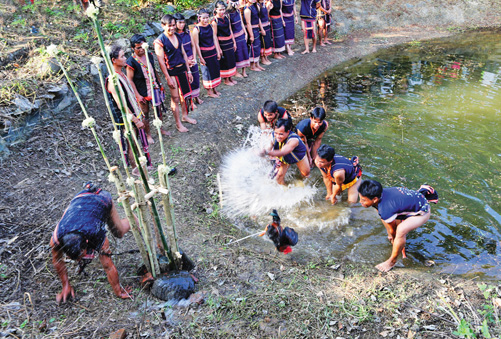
175	100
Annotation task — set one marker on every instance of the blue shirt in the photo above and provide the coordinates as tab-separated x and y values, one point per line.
400	203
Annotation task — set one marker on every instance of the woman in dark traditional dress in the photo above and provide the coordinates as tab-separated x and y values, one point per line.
240	36
266	39
253	26
222	27
289	15
209	53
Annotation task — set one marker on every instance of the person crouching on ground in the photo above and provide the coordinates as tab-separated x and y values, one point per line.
289	149
401	210
312	130
339	174
81	232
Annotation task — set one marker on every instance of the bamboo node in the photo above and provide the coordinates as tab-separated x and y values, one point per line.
130	181
178	255
145	46
52	50
89	122
92	11
151	181
112	177
157	123
96	60
142	160
163	170
116	136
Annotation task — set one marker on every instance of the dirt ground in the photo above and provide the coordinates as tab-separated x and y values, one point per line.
249	291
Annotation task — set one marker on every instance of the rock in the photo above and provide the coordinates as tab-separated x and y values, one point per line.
148	31
174	286
157	27
23	105
169	9
58	91
120	334
190	14
197	298
124	44
49	67
67	101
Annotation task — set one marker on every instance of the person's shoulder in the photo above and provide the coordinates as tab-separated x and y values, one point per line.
131	61
303	124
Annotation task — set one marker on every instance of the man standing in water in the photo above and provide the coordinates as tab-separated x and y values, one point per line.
289	149
339	174
401	210
82	231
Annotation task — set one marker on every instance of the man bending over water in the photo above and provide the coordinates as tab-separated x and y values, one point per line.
289	149
401	210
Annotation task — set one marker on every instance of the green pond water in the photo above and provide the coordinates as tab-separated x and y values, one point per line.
426	112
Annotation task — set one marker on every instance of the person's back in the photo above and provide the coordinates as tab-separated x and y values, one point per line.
400	202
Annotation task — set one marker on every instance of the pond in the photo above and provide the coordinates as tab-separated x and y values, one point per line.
423	112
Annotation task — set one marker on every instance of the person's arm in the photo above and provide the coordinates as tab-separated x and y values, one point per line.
111	272
282	14
261	28
339	178
328	184
118	227
243	26
111	88
305	142
248	25
194	49
60	267
159	51
288	148
195	39
216	41
130	76
185	57
232	37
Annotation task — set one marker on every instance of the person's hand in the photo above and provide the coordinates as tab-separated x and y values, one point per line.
390	238
333	199
261	152
218	55
329	11
192	62
263	32
139	124
171	83
251	39
140	98
235	47
125	293
190	77
65	293
283	23
202	61
297	21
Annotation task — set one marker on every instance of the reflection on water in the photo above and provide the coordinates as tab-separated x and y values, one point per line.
421	113
418	113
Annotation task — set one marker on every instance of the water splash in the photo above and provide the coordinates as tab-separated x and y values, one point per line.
247	187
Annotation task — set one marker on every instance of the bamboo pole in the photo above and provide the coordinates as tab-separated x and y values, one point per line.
92	13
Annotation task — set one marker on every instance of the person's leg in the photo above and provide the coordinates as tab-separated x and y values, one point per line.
353	192
111	271
321	31
314	38
174	105
184	111
282	171
304	167
145	107
305	37
402	229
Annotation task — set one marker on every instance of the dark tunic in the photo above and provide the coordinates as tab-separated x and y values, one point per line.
341	163
297	153
211	73
304	126
87	215
225	38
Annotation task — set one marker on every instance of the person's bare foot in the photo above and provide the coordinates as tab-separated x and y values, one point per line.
255	69
245	75
305	52
212	95
198	100
266	62
290	52
314	50
217	93
322	44
228	82
328	42
182	129
261	68
238	75
234	82
150	140
385	266
164	132
189	120
193	106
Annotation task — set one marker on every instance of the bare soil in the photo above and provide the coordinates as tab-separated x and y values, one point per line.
249	291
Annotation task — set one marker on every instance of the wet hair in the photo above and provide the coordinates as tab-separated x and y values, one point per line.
318	113
136	39
114	52
71	244
270	106
203	11
167	19
326	152
370	189
91	187
284	122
